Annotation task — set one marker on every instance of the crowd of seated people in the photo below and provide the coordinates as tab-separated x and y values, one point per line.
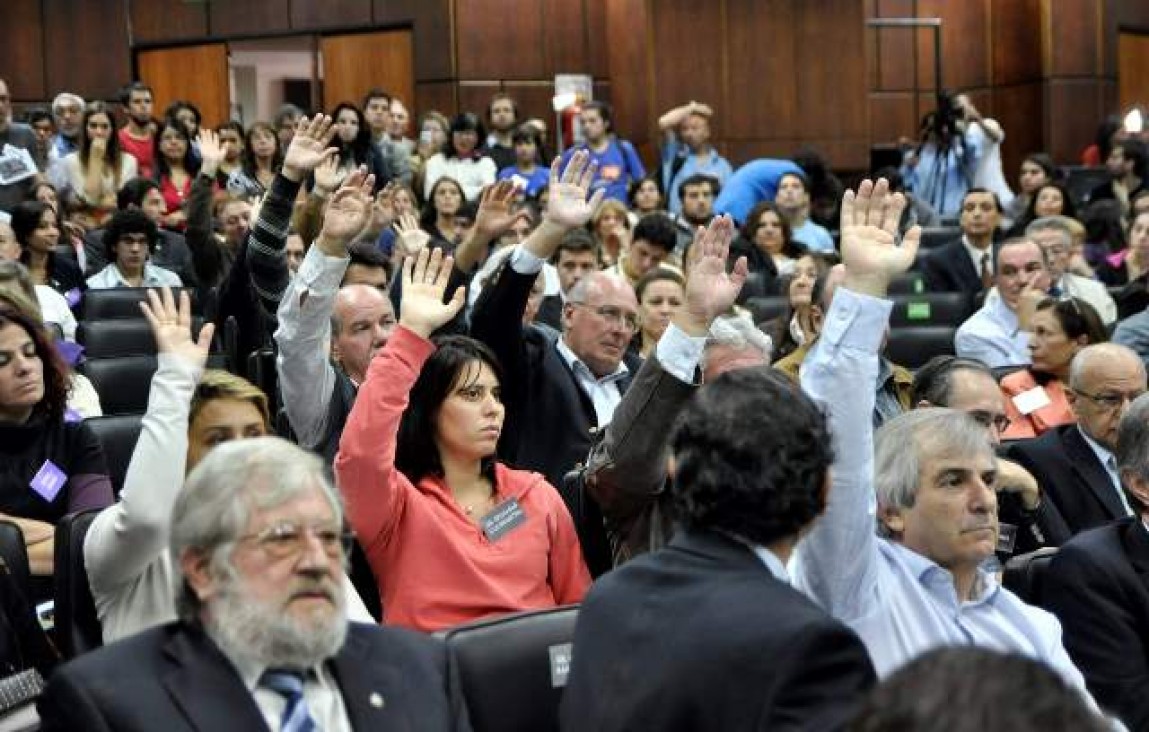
747	423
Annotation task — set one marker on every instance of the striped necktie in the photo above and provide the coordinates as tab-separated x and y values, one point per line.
289	685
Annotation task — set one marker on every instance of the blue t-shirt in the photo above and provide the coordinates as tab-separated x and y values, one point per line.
751	184
532	182
618	165
814	236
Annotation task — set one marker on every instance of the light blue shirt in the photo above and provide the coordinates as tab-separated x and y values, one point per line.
110	277
814	237
1109	462
943	179
900	603
993	336
711	164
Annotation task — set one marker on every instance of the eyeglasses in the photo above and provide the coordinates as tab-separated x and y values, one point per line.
287	539
612	315
998	422
1109	402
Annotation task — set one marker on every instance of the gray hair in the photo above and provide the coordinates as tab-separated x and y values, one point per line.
1106	351
1132	451
63	98
1051	223
930	431
221	493
738	332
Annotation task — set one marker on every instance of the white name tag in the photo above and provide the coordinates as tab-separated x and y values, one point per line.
1030	401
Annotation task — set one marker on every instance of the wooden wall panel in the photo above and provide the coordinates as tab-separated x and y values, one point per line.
686	68
22	59
167	72
167	20
832	96
354	63
1133	70
85	47
632	77
565	37
496	40
599	62
1020	110
1075	34
330	13
474	97
244	17
965	43
534	100
1017	41
892	116
763	86
892	49
1073	110
433	39
1132	14
438	96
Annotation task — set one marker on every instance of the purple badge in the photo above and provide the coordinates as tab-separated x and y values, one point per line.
71	415
73	297
69	351
49	481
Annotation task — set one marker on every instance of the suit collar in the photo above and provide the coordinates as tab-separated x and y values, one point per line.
204	684
1090	471
1135	538
718	547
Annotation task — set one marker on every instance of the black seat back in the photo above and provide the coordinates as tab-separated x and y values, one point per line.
118	435
123	302
14	552
77	625
931	308
934	237
763	309
122	382
513	669
1025	574
913	346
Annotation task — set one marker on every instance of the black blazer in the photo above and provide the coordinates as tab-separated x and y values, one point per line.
1098	586
949	269
1070	476
701	636
174	678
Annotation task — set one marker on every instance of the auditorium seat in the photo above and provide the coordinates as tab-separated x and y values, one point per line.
934	237
930	308
123	382
1025	574
1081	180
77	625
123	302
907	283
14	552
118	435
913	346
513	669
121	337
763	309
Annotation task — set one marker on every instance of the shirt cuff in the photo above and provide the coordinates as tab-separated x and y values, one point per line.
525	262
320	273
857	321
679	353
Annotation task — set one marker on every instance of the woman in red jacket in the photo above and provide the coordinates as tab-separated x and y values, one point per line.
451	534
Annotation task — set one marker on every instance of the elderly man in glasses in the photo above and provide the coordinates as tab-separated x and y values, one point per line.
1053	235
262	641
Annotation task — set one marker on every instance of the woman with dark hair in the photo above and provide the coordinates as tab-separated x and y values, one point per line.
452	534
233	139
96	171
765	242
1036	170
1060	328
645	197
49	465
462	159
353	138
440	214
1107	131
801	322
1131	262
261	159
660	293
1048	199
176	167
37	229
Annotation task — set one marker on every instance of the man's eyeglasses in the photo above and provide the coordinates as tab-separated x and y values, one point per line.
1109	402
612	315
998	422
287	539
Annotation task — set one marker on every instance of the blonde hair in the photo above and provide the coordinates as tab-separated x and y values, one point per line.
218	384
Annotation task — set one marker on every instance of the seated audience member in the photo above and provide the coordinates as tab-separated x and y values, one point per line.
420	476
660	294
659	638
766	243
750	185
1074	463
171	250
262	640
1132	263
966	263
611	227
915	581
261	159
1096	588
559	392
970	387
793	201
94	173
231	136
976	690
997	334
285	122
136	136
129	240
53	306
574	259
353	141
461	159
528	176
687	152
645	197
1035	396
37	229
1036	170
294	250
1128	168
396	158
615	163
442	214
653	242
503	117
49	466
177	165
1051	199
1055	237
626	471
801	323
20	161
697	194
190	412
918	212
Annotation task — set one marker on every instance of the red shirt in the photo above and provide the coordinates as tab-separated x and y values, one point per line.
435	568
142	150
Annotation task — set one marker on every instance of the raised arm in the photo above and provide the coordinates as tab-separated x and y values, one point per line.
838	560
375	490
207	255
128	536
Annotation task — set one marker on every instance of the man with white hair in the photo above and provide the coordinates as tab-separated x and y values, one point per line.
68	112
1053	235
262	641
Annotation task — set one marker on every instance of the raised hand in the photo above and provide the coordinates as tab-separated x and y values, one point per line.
710	289
383	209
328	175
869	238
425	278
348	210
411	238
494	217
171	326
567	204
211	152
309	147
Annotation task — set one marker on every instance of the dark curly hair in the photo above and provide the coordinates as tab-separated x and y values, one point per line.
55	400
416	453
129	221
752	454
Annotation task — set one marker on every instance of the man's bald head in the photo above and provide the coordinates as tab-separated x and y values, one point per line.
600	318
1103	379
361	322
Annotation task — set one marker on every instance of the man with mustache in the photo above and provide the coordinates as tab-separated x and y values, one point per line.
262	641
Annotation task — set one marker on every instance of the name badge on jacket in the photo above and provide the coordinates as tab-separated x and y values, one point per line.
502	519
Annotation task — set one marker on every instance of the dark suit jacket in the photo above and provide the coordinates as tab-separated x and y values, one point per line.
174	678
550	421
1070	477
1098	586
949	269
701	636
551	312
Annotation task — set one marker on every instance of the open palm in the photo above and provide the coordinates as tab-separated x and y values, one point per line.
710	289
869	227
309	146
425	278
567	203
172	326
349	208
